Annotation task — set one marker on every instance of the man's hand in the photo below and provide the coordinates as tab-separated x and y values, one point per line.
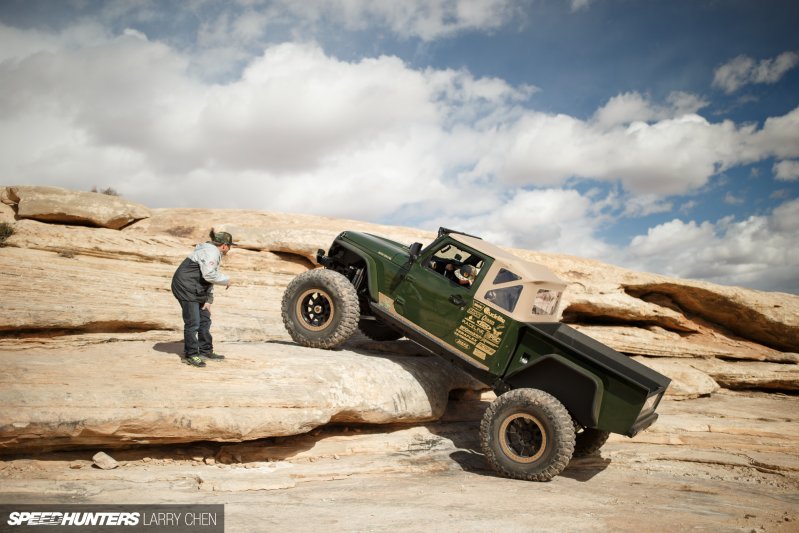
207	307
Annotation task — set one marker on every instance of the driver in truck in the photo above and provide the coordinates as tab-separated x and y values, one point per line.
466	275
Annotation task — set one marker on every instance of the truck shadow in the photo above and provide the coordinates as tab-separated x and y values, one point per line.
460	422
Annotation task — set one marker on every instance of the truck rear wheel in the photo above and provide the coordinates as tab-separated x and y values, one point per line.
320	309
527	434
588	441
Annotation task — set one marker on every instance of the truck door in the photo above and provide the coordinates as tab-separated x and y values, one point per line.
435	297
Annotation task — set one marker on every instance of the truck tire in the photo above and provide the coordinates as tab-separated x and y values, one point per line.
588	441
378	331
527	434
320	309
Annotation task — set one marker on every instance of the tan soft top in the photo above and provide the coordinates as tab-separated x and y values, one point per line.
534	278
527	270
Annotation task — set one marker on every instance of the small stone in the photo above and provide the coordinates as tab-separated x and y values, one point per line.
210	461
104	461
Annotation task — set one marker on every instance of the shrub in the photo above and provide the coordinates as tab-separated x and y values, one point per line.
110	191
6	231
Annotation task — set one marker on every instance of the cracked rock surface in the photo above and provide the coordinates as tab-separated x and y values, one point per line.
374	435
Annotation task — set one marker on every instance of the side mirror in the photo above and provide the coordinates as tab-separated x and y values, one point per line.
415	251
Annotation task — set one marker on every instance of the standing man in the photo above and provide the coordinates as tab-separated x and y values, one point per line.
193	286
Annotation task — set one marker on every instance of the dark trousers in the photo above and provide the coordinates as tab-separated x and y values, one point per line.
196	329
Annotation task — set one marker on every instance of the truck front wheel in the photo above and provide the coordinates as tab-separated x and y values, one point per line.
527	434
320	309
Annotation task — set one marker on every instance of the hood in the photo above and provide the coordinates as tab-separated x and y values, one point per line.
387	249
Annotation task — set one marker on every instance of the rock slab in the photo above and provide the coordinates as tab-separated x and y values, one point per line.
54	204
57	399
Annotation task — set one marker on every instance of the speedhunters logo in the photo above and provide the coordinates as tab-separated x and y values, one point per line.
45	518
129	518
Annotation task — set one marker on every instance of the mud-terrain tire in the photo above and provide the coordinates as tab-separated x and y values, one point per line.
527	434
377	330
320	309
588	441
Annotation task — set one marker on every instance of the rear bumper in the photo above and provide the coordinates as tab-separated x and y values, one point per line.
642	424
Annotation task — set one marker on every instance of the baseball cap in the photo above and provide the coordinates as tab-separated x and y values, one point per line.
222	237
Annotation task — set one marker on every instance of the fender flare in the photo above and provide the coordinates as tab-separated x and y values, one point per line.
371	265
577	389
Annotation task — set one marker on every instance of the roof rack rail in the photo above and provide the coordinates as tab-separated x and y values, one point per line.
447	231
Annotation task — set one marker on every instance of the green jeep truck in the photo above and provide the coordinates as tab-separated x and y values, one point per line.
559	393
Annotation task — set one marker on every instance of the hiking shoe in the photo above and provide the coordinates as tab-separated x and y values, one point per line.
212	355
194	360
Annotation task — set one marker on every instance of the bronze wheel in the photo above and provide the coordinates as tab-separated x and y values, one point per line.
320	309
527	434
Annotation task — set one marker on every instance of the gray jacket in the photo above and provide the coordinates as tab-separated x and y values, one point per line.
196	276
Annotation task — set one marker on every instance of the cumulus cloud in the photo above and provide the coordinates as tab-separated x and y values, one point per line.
424	19
553	219
667	157
760	251
577	5
296	120
632	107
786	170
743	70
373	138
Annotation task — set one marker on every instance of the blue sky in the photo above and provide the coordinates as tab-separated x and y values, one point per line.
656	135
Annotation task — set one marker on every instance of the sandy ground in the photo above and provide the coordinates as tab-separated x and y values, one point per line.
728	462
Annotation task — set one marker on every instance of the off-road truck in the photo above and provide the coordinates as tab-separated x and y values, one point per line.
559	392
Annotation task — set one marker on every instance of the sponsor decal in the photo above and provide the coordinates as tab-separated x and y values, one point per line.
480	332
390	307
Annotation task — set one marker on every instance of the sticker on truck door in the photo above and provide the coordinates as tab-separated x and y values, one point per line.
480	332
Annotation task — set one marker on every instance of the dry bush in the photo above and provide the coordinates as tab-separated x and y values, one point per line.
110	191
6	231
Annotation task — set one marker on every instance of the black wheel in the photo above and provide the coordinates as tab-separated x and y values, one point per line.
527	434
320	309
378	331
588	441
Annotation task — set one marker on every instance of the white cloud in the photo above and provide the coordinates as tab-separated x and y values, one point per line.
731	199
424	19
743	70
670	156
556	220
630	107
374	138
786	170
577	5
760	251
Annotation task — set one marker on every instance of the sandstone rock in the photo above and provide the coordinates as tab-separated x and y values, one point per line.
686	381
53	204
74	289
732	321
57	399
56	281
751	375
104	461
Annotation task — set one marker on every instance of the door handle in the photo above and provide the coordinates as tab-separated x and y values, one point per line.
457	299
